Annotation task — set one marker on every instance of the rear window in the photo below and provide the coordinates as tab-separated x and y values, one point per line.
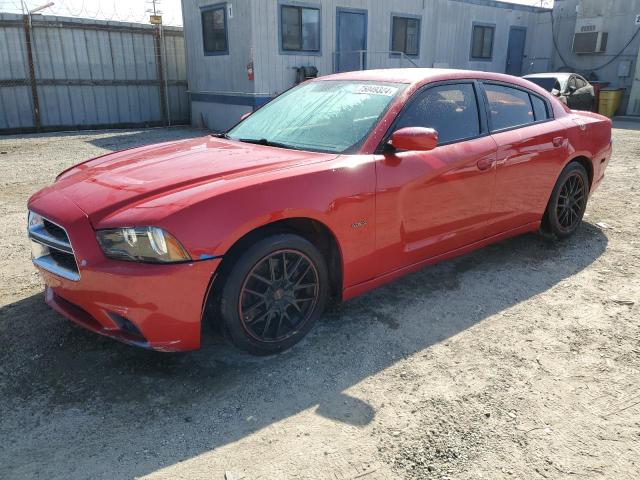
539	108
548	83
508	107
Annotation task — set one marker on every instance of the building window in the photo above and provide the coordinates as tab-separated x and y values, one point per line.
405	35
214	30
300	28
482	42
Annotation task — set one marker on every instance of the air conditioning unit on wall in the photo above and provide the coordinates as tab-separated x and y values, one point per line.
589	37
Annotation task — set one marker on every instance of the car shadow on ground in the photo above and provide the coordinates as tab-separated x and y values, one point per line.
623	124
94	391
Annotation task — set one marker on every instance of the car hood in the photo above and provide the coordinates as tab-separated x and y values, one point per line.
105	184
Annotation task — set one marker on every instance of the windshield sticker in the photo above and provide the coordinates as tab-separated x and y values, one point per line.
383	90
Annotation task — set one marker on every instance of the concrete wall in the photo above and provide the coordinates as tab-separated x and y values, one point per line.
445	39
88	73
618	19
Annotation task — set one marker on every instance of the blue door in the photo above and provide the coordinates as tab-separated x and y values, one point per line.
351	41
515	50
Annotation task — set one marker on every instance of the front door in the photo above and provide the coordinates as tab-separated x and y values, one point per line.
430	203
351	41
515	50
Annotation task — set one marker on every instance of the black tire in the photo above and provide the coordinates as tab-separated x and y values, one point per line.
568	202
260	296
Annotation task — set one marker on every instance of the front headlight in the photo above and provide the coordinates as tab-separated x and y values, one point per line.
141	244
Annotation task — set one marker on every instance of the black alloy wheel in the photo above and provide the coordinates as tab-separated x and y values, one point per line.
273	294
568	202
571	202
278	295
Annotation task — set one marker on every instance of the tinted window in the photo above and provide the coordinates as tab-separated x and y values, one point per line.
300	28
539	108
450	109
482	42
548	83
508	107
405	35
214	30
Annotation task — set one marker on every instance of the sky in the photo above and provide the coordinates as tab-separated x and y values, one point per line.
128	10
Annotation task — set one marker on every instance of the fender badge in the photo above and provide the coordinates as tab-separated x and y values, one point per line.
359	223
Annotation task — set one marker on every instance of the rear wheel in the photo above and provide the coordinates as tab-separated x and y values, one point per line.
274	294
568	202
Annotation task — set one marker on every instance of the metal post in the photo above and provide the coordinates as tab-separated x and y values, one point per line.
163	94
32	73
165	74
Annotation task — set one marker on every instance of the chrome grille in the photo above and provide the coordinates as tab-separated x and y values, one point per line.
51	248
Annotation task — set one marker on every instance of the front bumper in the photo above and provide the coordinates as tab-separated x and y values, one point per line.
153	306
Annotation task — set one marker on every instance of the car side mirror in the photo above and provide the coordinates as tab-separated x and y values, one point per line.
414	138
245	115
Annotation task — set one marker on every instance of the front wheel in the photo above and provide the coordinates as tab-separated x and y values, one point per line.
274	294
568	202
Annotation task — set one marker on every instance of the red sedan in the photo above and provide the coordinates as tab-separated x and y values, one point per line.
333	188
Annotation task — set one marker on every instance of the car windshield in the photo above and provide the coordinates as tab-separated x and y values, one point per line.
324	116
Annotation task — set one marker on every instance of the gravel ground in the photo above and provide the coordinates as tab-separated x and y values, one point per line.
521	360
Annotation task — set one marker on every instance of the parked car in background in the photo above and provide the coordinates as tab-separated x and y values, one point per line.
572	89
337	186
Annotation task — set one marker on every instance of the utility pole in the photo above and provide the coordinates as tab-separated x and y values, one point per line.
156	19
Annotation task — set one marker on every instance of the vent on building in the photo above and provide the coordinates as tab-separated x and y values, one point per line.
589	41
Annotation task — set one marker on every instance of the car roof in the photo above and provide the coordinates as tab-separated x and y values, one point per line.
422	75
558	75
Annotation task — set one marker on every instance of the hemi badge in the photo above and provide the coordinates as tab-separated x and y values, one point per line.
359	223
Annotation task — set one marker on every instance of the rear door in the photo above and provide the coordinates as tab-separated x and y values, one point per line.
430	203
531	147
583	94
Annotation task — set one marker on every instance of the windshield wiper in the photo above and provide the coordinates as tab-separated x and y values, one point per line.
221	135
264	141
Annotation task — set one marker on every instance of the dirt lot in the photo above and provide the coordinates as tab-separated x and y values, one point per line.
521	360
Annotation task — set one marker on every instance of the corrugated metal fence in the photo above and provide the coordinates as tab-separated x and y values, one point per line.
59	73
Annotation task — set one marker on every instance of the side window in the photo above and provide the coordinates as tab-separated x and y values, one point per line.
300	28
214	30
580	83
508	107
572	83
451	109
539	108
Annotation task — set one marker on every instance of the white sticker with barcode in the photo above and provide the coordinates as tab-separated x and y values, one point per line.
376	90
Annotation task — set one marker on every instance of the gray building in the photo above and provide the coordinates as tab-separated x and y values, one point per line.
241	53
600	39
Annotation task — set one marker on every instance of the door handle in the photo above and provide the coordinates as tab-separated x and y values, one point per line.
558	141
485	163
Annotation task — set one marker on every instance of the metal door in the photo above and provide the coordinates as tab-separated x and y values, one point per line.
351	41
515	50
